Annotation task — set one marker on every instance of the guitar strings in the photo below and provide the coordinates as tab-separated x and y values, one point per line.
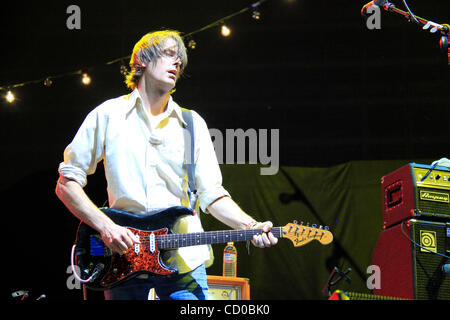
217	235
214	236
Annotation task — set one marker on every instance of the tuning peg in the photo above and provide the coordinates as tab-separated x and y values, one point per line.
321	227
295	221
314	226
326	228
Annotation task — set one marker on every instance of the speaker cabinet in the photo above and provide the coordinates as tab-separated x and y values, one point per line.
411	256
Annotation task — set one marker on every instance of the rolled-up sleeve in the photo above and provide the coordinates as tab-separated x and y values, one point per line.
82	155
207	170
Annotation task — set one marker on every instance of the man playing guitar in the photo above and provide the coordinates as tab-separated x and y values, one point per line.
139	138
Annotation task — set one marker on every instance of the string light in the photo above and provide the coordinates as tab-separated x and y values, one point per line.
256	15
192	44
48	82
123	69
10	97
86	80
225	31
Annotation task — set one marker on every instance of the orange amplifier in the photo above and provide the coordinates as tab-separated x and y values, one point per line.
222	288
228	288
416	190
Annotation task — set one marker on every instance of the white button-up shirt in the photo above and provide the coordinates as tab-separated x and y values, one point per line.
143	157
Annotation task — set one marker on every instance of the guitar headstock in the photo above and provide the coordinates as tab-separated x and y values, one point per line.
301	234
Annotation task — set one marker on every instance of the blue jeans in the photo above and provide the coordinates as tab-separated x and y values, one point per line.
187	286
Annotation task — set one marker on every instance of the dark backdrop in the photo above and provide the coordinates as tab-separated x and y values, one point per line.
337	91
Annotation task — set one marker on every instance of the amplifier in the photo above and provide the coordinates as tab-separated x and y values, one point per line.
228	288
413	258
221	288
416	190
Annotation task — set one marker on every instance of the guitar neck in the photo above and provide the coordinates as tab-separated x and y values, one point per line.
173	241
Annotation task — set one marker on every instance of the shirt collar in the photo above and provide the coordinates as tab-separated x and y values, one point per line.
134	98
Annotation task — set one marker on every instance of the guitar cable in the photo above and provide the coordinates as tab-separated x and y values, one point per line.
98	268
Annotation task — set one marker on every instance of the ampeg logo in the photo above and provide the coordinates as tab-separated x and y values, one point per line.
428	241
434	196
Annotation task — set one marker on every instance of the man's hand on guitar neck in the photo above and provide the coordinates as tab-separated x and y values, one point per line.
267	239
227	211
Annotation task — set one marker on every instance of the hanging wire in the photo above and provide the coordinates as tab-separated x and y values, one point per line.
48	79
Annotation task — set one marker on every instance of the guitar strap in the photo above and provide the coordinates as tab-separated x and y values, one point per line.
189	154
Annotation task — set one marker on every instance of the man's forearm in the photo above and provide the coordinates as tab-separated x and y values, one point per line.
228	212
79	204
116	237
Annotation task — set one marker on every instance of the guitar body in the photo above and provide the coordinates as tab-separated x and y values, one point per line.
110	269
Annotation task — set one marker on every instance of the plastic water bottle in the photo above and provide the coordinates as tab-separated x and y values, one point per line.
229	260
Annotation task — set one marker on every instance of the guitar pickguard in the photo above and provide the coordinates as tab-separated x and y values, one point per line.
136	261
93	257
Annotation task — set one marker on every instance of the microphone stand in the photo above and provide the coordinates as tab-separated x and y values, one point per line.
444	29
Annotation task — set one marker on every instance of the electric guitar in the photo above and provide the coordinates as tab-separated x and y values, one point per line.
99	268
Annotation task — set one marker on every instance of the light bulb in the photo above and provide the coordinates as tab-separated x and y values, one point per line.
10	97
256	15
192	44
225	31
48	82
86	80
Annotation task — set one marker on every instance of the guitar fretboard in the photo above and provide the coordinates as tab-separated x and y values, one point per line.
172	241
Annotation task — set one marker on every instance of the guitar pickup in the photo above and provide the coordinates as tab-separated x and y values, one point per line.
151	243
137	246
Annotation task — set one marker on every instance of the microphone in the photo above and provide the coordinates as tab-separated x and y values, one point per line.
377	3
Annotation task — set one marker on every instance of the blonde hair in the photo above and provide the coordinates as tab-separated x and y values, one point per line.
148	49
